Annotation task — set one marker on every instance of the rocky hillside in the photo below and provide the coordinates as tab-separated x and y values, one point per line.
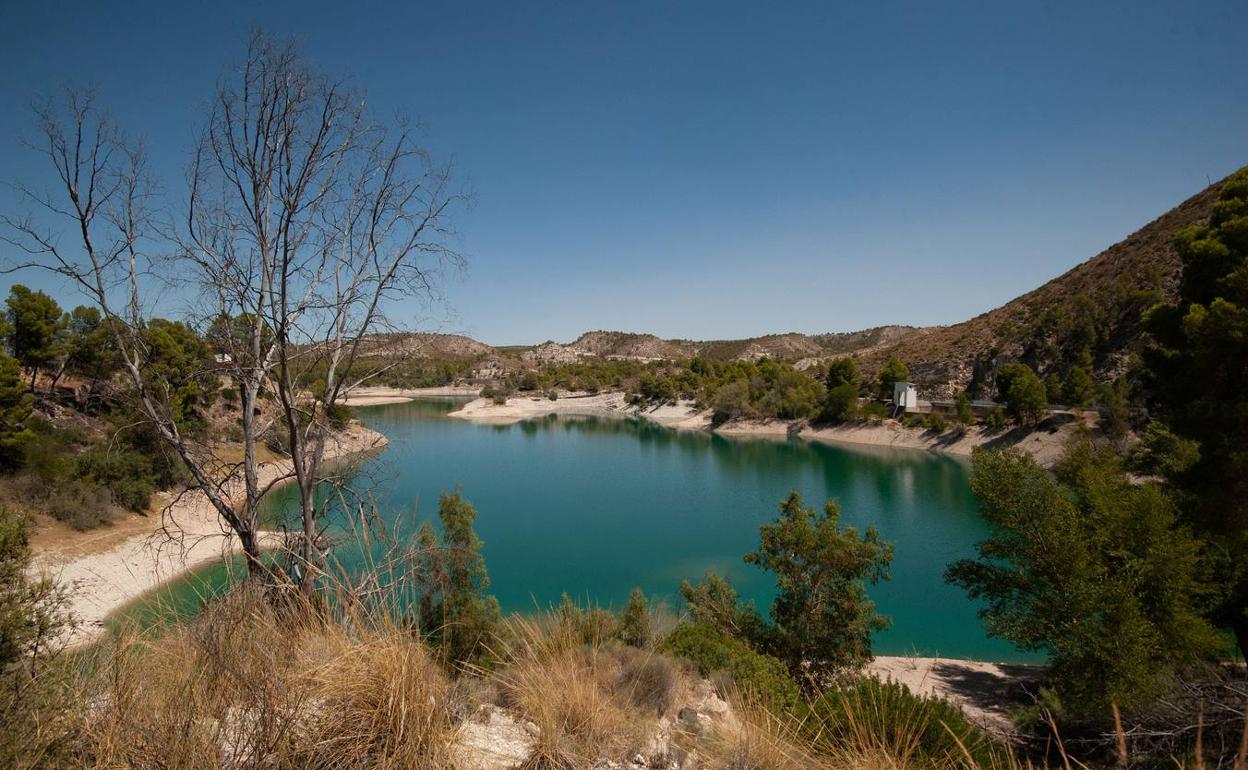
1095	307
426	345
1089	317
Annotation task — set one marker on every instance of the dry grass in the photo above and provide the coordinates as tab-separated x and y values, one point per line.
247	684
571	691
244	685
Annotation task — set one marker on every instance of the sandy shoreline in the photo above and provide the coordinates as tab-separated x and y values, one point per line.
986	692
380	394
134	563
1045	446
101	582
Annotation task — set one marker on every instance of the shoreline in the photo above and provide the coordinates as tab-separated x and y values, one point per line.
101	583
1043	444
985	691
375	395
144	558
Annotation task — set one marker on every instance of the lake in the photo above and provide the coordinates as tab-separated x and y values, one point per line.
593	507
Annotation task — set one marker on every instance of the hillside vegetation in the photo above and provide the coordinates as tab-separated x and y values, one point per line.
1089	317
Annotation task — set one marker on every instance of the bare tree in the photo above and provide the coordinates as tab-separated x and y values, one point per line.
103	190
307	219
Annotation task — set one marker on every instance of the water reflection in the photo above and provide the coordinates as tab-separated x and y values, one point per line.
594	506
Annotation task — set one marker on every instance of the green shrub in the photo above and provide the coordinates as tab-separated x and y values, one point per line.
966	415
635	620
873	410
125	473
756	675
936	423
841	403
338	415
870	713
996	418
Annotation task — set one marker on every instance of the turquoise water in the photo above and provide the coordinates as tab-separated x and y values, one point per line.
593	507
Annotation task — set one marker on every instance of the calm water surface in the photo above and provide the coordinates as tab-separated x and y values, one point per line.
593	507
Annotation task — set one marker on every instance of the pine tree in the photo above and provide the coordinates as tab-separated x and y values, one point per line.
635	620
456	611
822	618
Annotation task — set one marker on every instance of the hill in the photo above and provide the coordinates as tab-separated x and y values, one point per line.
1090	315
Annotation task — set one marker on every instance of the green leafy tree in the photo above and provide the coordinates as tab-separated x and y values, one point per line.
822	618
89	348
1079	388
456	611
635	620
32	616
1115	409
893	372
1197	381
15	407
1023	393
841	403
962	405
731	401
36	330
1163	453
180	363
842	371
791	395
996	418
1053	388
1091	569
713	603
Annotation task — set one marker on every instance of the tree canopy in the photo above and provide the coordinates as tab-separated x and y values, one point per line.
822	618
36	329
1023	392
1092	569
456	610
1197	381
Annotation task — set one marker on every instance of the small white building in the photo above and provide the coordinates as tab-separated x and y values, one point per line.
905	396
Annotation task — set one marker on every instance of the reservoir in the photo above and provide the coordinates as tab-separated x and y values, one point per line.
595	506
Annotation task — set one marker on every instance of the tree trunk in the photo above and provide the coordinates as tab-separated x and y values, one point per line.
251	551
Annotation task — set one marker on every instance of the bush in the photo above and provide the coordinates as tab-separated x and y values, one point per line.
873	410
841	403
125	473
871	714
756	675
966	415
996	418
936	423
80	503
338	415
32	615
635	620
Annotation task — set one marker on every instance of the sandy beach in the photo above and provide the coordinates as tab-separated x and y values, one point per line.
1046	446
379	394
682	415
117	564
987	692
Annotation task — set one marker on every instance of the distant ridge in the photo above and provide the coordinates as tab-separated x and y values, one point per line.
1097	304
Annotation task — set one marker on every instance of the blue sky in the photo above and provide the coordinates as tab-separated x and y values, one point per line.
719	169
